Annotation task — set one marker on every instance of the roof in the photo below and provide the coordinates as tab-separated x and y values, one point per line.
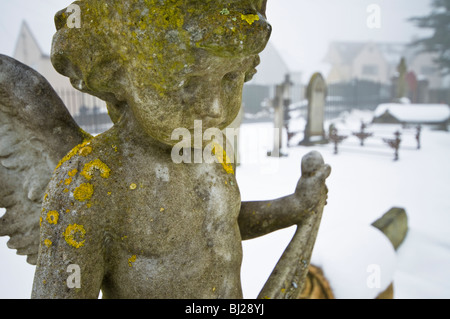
392	52
415	113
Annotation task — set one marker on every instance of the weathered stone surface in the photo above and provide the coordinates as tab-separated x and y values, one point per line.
36	130
316	93
169	61
394	224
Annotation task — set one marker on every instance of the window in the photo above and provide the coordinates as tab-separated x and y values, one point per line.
427	70
370	69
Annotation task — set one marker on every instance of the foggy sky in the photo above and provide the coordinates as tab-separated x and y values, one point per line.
302	29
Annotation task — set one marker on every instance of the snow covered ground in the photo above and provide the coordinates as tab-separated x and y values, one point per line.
364	184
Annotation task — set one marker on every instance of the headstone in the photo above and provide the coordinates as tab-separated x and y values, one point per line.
394	224
316	94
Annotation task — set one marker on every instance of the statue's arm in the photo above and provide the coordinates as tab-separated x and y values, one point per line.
71	262
65	269
259	218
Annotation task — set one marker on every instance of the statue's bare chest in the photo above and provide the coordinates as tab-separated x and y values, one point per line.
165	207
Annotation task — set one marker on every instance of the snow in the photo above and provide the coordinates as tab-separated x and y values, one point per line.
415	113
364	184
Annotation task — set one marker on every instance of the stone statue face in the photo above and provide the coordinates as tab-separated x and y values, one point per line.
170	61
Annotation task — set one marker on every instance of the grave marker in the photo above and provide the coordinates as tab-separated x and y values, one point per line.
316	94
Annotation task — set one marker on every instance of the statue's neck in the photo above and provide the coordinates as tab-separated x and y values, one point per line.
130	130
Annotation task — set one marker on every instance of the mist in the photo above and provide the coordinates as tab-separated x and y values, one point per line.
302	30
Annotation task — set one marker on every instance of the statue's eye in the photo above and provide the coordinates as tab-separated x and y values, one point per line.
231	76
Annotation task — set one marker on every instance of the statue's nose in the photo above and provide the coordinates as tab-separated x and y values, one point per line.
213	110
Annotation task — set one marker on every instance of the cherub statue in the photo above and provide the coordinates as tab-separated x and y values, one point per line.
135	223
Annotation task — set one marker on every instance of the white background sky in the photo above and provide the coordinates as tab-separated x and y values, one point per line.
302	29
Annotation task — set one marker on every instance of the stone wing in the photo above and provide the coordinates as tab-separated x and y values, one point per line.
36	131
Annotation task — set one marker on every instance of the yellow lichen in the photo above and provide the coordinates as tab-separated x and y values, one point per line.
66	190
162	209
40	221
72	153
133	186
223	158
67	210
83	192
88	170
70	233
48	242
72	173
250	18
131	260
52	217
85	151
68	181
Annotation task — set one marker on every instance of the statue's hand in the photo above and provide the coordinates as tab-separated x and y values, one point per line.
311	190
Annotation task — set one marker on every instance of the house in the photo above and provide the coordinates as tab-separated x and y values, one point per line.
29	52
378	62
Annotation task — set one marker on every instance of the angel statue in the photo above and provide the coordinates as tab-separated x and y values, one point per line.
116	208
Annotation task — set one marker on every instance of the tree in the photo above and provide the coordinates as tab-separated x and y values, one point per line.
439	42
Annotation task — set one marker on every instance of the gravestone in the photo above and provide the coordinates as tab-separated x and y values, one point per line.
316	94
